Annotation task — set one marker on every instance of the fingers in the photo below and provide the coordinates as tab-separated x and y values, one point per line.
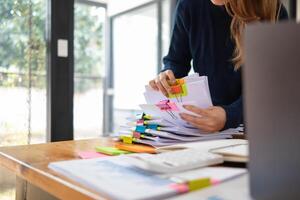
153	85
161	87
193	119
171	77
196	110
164	82
202	123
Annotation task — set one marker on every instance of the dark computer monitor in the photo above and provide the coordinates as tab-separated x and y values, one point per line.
272	109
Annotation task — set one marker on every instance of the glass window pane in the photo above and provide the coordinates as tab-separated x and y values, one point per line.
89	70
22	72
134	57
22	78
166	25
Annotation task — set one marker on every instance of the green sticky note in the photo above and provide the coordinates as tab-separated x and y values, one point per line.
111	151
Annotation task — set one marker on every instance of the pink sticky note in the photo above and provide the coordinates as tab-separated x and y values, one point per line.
180	188
90	154
215	182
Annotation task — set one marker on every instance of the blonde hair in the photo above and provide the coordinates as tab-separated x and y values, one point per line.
244	12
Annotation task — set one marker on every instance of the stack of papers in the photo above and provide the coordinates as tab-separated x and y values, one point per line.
117	177
165	127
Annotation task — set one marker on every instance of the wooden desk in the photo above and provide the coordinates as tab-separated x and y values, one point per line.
30	162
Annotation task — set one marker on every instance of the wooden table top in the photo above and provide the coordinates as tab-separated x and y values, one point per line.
30	162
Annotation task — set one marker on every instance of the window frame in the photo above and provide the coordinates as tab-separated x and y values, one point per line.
60	71
108	119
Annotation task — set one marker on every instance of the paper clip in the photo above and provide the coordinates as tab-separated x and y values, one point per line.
179	90
166	105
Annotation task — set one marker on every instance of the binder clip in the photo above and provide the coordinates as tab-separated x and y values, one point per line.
153	126
143	116
140	122
136	135
127	139
166	105
179	90
140	129
147	117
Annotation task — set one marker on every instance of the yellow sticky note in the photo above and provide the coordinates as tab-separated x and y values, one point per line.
147	117
199	184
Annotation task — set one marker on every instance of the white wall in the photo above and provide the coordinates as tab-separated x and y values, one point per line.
117	6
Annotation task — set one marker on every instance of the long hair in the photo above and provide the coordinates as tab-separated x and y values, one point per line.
244	12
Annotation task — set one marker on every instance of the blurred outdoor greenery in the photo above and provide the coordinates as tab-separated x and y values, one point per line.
23	43
23	48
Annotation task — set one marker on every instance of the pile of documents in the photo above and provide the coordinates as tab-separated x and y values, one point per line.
162	124
116	178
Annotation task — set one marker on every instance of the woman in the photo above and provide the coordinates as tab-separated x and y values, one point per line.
209	32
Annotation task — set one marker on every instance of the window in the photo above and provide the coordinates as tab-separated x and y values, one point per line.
140	38
22	72
135	59
89	61
22	78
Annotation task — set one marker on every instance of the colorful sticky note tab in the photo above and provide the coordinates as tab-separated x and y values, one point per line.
176	89
182	94
199	184
136	135
127	139
180	81
140	122
180	188
152	126
140	129
173	106
137	148
111	151
147	117
90	154
163	105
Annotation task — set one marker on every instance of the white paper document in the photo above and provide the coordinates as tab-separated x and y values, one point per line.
216	174
116	178
190	90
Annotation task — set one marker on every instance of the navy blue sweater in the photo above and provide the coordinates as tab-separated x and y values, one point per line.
201	34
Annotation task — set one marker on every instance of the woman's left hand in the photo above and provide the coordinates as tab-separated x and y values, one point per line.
212	119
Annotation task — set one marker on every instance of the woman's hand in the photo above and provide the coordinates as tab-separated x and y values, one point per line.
163	82
212	119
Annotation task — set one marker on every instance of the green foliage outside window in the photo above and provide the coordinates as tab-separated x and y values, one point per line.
23	44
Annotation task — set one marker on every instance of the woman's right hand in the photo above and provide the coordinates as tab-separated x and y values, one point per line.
163	82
